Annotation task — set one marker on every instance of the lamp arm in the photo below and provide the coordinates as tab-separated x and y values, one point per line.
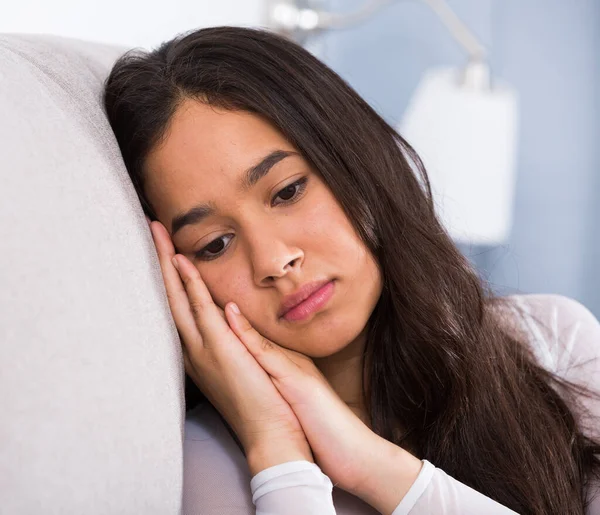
457	28
328	20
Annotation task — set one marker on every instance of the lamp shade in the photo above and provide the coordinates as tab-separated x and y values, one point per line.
466	137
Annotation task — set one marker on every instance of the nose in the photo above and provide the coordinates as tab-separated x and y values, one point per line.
272	258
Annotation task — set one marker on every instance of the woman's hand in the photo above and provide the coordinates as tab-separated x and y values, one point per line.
336	435
224	370
354	457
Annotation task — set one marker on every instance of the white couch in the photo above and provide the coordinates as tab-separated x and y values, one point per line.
91	372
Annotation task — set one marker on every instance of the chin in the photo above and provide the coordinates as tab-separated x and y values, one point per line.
323	342
325	353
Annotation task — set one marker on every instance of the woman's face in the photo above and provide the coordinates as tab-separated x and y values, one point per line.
262	228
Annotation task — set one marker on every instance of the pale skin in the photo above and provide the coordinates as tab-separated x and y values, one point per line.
289	389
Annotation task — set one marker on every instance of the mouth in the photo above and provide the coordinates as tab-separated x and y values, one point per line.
309	300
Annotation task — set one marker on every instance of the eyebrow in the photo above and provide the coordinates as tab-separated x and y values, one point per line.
250	177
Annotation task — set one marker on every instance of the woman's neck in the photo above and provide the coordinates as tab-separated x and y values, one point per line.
344	371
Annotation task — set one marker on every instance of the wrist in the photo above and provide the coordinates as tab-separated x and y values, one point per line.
263	455
392	472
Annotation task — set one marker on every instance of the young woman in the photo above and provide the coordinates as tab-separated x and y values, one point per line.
324	311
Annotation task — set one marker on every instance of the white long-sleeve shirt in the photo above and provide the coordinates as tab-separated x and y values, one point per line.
565	337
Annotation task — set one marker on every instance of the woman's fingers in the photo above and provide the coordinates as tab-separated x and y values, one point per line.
206	313
176	293
196	315
269	355
187	362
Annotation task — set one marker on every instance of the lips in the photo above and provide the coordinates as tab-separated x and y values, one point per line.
307	300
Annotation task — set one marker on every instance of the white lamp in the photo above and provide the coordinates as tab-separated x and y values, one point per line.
466	132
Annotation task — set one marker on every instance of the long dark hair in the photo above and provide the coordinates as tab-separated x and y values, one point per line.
444	378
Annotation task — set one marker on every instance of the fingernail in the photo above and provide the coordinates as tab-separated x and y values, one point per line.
175	264
235	309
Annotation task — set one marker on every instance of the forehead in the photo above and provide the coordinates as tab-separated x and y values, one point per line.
205	148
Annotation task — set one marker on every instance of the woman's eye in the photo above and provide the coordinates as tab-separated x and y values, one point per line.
288	195
291	193
215	248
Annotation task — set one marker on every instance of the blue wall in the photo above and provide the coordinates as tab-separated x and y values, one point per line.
549	50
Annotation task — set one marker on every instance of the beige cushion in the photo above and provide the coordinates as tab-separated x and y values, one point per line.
91	373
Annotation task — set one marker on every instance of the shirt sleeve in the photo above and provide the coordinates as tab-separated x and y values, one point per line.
293	488
434	491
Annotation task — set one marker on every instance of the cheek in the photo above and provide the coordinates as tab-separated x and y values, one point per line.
227	284
330	230
352	257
